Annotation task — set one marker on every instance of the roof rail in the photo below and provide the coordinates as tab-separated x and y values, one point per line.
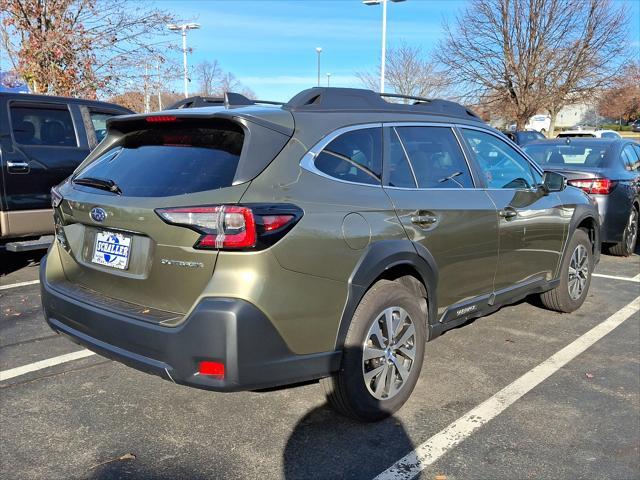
349	99
230	99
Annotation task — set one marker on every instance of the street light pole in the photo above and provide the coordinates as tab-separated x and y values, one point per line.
184	62
384	35
384	44
159	86
319	50
328	79
183	29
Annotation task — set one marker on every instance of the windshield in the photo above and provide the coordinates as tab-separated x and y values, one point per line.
587	155
164	162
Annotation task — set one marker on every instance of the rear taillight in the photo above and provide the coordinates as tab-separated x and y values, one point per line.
234	226
597	186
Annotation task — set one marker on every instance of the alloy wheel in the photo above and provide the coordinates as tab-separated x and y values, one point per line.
578	272
631	231
388	353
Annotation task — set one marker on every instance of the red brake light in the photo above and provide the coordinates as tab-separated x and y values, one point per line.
234	226
596	186
214	369
161	119
274	222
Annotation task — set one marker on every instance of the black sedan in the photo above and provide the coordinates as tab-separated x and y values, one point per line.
609	171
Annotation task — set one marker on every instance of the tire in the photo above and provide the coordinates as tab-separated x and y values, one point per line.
387	390
629	237
568	296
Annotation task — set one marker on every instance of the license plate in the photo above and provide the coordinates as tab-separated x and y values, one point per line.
112	250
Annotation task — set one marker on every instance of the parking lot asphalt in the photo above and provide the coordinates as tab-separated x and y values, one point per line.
97	419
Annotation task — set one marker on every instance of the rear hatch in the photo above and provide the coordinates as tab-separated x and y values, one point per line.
116	246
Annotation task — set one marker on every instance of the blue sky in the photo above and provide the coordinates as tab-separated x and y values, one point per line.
270	45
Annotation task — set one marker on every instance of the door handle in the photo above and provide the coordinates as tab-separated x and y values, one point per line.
424	220
508	213
18	167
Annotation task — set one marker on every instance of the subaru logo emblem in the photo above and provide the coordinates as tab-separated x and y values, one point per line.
98	214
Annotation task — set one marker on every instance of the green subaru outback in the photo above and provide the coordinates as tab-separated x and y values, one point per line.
242	246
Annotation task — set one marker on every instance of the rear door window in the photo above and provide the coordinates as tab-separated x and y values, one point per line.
159	162
49	125
436	157
354	156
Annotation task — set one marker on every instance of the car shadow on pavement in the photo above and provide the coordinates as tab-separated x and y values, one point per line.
11	262
325	444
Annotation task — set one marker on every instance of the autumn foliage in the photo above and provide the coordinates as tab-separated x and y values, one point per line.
80	47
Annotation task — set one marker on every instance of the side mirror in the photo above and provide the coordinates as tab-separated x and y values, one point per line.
553	182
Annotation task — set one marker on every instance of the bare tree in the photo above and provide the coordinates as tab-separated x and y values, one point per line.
80	47
586	59
135	100
209	75
622	100
408	72
530	55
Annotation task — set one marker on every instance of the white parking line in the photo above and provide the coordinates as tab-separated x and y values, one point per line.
20	284
443	441
50	362
614	277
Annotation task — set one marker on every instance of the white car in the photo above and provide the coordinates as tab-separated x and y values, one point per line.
589	134
539	123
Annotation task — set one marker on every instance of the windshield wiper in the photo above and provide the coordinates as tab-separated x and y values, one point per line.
101	183
452	178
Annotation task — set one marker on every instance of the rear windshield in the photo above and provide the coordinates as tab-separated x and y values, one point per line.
529	136
584	154
159	162
577	135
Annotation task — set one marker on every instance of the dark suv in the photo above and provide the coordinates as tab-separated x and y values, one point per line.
240	246
42	140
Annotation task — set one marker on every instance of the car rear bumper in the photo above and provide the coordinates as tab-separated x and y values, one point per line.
226	330
614	212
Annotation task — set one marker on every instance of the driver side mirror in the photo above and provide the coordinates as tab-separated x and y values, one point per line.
553	182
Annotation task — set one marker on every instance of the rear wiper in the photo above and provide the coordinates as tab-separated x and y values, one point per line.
101	183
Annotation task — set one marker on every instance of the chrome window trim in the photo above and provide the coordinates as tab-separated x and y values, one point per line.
308	161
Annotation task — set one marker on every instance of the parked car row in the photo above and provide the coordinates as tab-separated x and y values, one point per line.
383	224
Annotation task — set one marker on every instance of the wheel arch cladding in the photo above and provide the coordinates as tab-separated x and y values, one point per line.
583	218
397	257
